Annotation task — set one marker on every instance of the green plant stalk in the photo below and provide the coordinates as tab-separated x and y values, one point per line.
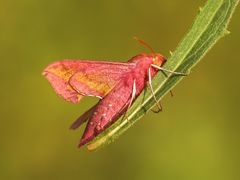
209	26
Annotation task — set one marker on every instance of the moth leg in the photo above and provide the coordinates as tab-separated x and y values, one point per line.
134	92
158	110
169	71
150	85
171	92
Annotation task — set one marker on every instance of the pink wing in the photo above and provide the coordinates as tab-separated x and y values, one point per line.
83	118
108	110
74	79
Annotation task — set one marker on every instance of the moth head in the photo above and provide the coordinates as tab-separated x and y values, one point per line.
158	59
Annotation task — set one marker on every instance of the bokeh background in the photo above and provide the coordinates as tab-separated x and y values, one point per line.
195	137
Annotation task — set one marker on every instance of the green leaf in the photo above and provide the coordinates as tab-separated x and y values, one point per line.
209	26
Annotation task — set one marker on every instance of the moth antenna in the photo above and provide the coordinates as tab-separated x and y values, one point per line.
144	44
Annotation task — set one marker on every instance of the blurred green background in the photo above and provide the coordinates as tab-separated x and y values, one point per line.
195	137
